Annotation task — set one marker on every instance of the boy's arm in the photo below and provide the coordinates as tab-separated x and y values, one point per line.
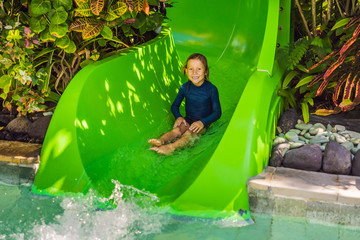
216	114
177	102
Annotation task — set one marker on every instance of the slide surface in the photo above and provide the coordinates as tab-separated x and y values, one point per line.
110	109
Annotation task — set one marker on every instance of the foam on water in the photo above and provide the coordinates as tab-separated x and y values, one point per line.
132	214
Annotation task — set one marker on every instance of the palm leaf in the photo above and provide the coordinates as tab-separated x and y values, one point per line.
97	6
79	24
92	30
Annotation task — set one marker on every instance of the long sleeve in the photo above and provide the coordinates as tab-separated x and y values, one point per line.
216	108
177	102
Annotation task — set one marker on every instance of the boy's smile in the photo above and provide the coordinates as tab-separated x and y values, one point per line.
195	71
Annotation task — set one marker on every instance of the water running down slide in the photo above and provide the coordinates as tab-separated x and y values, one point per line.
110	109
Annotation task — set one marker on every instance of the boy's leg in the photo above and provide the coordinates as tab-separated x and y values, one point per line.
169	148
174	133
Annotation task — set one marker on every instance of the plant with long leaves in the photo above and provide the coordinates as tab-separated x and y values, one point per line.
343	72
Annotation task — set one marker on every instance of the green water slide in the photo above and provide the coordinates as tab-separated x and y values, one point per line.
110	109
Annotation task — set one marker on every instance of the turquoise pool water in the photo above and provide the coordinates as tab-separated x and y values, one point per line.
24	215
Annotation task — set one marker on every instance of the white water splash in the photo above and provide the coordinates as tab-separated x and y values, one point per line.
131	219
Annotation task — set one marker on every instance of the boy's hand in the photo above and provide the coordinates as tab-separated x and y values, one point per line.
197	126
179	121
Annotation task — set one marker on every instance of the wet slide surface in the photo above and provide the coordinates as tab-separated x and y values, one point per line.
100	128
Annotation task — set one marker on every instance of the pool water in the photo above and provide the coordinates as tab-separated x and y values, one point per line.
24	215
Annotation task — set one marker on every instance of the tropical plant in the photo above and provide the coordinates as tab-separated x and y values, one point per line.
342	76
21	83
325	50
45	42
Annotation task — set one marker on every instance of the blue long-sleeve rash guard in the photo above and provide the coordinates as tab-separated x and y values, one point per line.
201	103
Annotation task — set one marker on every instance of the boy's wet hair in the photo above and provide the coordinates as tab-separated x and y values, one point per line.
202	59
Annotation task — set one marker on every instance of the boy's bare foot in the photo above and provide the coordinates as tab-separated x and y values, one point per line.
155	142
164	149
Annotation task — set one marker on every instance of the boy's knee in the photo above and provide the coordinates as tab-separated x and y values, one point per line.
176	131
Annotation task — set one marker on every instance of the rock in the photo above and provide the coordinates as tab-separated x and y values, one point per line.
332	137
288	120
303	132
278	153
275	159
301	138
348	145
303	126
354	150
355	169
19	125
291	136
319	139
339	138
355	140
308	157
316	130
307	135
39	127
353	134
5	119
340	128
329	128
337	159
297	131
296	144
319	125
279	140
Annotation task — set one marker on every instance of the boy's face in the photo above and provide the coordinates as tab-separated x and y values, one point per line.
195	72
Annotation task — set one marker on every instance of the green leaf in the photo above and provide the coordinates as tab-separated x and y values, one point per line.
288	78
5	83
15	97
304	81
119	8
106	32
154	2
3	96
53	97
58	30
305	112
43	52
317	42
45	36
39	7
345	102
71	48
63	42
102	42
84	10
37	25
57	16
67	4
340	23
289	97
86	62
